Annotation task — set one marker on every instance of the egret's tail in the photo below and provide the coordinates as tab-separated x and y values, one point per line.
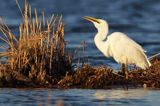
149	63
145	64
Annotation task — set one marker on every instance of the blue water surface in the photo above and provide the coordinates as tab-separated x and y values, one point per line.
79	97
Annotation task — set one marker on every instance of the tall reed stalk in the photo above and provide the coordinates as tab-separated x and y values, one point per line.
38	51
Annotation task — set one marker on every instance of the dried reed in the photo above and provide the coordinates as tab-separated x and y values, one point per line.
39	52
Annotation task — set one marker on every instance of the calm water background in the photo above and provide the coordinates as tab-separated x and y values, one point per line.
77	97
139	19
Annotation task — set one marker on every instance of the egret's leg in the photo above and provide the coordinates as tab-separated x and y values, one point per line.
126	72
123	68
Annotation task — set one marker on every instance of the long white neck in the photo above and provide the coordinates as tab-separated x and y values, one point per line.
99	39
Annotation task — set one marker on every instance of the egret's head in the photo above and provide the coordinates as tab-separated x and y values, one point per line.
98	23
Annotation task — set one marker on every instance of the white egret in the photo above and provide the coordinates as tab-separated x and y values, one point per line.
118	45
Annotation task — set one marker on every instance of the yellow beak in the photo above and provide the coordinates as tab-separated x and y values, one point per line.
92	19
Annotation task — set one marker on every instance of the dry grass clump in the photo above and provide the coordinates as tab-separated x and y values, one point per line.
149	77
38	55
89	77
104	77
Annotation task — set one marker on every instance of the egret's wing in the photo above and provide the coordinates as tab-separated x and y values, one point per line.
124	39
125	50
133	43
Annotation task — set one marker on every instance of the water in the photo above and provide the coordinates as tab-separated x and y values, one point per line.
139	19
77	97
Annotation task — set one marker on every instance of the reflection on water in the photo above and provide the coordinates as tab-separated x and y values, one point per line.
120	94
72	97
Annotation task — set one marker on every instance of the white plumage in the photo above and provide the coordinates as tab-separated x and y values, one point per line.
125	50
118	45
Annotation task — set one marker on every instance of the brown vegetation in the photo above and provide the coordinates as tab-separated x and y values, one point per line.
104	77
38	55
149	77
